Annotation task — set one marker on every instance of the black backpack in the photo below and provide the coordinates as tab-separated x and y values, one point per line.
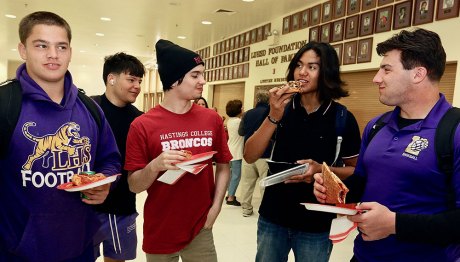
10	108
444	143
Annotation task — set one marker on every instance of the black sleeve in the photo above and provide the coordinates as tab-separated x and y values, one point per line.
241	127
441	229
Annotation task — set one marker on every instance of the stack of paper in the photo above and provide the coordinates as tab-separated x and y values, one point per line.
190	166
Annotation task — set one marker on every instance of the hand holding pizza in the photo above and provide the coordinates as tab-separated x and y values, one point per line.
280	96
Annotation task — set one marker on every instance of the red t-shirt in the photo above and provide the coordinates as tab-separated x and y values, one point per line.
174	214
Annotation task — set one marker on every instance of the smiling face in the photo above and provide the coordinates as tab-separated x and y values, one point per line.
393	80
125	87
307	71
47	54
192	85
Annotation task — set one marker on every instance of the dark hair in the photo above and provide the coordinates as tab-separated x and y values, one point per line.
330	85
204	100
262	96
234	107
122	63
418	48
41	18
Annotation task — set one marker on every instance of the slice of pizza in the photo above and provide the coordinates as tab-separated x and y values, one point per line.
294	87
336	190
188	154
83	178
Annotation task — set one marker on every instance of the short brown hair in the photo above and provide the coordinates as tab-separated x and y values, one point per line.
234	107
41	18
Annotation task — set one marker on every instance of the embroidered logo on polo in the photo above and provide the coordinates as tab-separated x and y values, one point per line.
60	152
415	147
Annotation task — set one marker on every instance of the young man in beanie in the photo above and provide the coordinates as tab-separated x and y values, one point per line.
178	217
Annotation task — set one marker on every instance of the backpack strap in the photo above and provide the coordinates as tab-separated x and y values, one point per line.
10	108
445	133
97	99
91	105
381	122
340	123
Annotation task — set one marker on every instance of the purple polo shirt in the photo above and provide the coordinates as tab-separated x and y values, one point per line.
402	173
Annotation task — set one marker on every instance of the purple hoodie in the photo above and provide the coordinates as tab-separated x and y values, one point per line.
51	142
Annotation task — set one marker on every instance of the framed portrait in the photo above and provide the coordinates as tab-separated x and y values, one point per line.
236	57
217	49
286	24
225	77
241	40
305	18
368	4
423	12
315	15
327	12
447	9
235	72
338	49
383	19
295	22
353	7
227	45
402	15
230	73
225	63
337	27
349	53
232	43
253	35
240	71
267	30
366	23
384	2
351	27
246	70
260	34
230	58
364	50
313	35
326	33
246	54
339	8
247	38
237	41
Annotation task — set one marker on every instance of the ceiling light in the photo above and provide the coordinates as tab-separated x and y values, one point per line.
10	16
14	49
248	1
181	37
82	51
106	19
206	22
99	34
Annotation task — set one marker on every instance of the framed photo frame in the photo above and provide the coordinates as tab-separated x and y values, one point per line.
327	12
315	15
353	7
423	12
246	54
260	34
349	53
253	35
351	27
267	30
366	23
227	45
402	15
240	71
237	41
337	30
384	2
246	70
364	50
447	9
339	8
232	43
305	18
383	19
236	56
368	4
286	25
326	33
247	38
338	49
242	40
295	22
313	34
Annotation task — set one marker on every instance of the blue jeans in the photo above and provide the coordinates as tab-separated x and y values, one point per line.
235	167
274	243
